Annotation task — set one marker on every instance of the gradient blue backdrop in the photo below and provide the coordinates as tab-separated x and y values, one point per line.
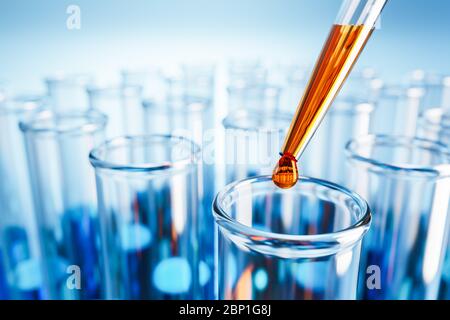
115	34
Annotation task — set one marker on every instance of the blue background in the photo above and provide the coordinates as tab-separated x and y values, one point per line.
130	33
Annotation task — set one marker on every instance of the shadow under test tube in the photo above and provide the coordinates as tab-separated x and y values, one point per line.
406	182
299	243
434	124
63	182
148	203
20	272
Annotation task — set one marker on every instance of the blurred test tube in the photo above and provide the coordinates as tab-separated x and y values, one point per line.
58	146
434	124
195	121
149	79
397	111
436	89
68	92
20	271
123	107
406	182
252	142
257	97
148	204
324	157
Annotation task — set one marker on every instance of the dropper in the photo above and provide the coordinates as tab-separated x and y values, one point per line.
348	37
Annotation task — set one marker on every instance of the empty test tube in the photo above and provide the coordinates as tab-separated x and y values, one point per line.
123	107
193	120
406	182
65	202
252	142
297	244
324	157
149	210
434	124
68	92
20	269
397	111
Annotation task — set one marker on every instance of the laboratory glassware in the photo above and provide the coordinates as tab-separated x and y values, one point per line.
299	243
406	182
20	269
346	41
68	92
149	210
63	186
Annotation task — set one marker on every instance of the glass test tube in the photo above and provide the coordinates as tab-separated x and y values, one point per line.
362	84
434	124
149	79
148	203
246	72
20	272
324	156
397	111
252	142
63	183
295	82
260	97
436	89
68	92
300	243
406	182
192	120
123	107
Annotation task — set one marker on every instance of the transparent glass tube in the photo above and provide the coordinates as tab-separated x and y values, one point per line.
300	243
63	184
20	273
242	73
148	203
362	84
192	120
436	89
295	82
397	111
258	97
324	156
123	107
68	92
406	182
434	124
149	79
252	142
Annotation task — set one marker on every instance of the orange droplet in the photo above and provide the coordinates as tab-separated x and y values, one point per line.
285	174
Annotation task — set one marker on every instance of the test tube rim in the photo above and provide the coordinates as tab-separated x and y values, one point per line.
98	163
96	121
441	170
330	242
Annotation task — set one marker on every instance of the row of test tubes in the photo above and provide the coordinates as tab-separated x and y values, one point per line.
107	192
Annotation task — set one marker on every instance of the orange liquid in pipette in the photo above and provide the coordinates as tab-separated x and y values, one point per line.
339	54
